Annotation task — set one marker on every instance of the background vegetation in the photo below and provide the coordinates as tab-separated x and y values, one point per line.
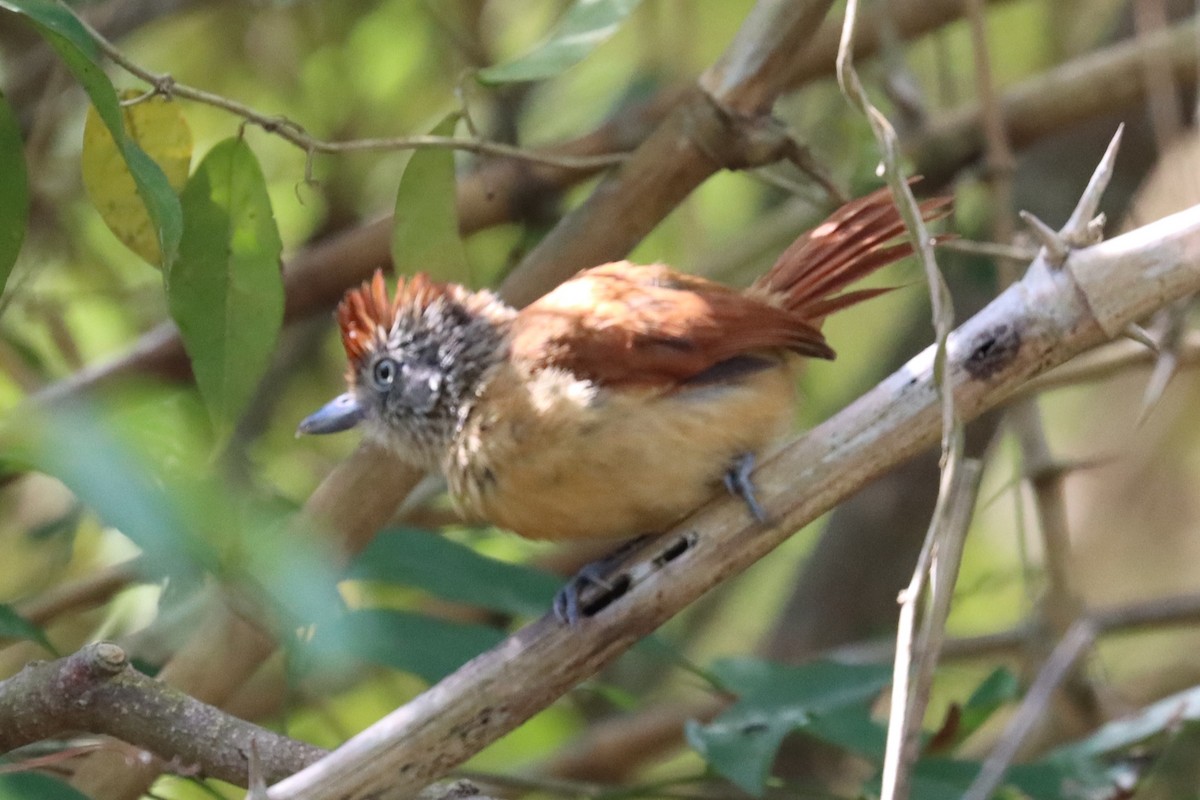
154	494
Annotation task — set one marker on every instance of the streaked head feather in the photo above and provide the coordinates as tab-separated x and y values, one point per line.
366	316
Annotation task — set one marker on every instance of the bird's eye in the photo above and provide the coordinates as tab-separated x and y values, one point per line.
383	374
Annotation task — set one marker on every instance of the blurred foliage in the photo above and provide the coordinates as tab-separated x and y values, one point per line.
203	481
14	192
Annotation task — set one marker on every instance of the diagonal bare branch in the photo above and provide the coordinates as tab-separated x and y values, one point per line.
1039	322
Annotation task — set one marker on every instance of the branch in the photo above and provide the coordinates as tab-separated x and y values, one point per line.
702	134
96	690
1039	322
1111	360
315	279
498	191
1099	84
724	122
1075	642
89	591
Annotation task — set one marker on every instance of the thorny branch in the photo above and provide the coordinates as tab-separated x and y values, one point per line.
546	162
1040	321
1061	603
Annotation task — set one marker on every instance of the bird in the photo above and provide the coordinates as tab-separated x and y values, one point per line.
616	403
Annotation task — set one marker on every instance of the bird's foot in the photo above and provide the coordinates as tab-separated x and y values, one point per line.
587	592
595	586
739	484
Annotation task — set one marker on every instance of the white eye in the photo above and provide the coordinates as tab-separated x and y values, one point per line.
384	373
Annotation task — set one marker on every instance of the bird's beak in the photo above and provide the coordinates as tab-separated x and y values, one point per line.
340	414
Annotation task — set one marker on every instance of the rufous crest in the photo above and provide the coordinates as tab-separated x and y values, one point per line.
366	315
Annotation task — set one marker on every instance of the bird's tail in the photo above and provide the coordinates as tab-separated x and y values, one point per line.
853	242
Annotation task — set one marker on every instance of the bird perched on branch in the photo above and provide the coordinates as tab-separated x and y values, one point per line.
615	404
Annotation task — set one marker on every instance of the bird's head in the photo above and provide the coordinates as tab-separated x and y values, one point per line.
415	362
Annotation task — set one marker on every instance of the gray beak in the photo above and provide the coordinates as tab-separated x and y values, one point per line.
340	414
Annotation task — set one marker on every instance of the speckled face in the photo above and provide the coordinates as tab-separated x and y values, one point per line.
416	363
416	385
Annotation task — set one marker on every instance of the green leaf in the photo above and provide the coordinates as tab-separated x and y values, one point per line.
1127	731
14	191
774	701
36	786
14	626
63	32
425	235
998	688
225	291
105	474
454	572
427	647
948	779
1176	773
585	26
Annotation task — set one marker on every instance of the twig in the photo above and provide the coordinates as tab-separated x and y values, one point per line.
1164	612
1077	641
96	690
90	591
290	131
1111	360
938	562
901	733
989	249
1162	91
1098	84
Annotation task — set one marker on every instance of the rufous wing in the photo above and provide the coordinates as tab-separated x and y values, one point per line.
628	324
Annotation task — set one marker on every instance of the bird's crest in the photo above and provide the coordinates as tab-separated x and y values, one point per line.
366	316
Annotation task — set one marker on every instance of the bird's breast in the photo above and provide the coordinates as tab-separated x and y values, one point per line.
559	458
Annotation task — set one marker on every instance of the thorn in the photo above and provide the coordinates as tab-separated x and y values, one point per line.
1095	229
1084	214
1057	249
1137	333
1165	369
1056	469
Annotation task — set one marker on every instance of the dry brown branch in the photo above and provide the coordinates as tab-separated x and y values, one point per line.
88	592
1043	320
96	690
221	638
1099	84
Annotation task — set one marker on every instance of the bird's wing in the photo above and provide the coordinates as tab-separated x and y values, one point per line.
628	324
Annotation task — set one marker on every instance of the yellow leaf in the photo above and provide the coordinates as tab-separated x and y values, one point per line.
157	126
